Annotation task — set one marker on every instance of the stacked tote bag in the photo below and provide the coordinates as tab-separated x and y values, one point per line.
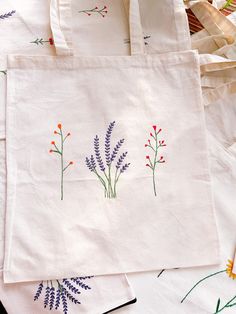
88	295
107	167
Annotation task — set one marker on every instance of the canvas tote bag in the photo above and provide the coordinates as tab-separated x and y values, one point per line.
87	295
107	166
221	31
165	290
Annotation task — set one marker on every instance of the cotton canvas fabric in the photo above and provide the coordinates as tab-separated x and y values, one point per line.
19	32
108	228
219	34
164	290
81	295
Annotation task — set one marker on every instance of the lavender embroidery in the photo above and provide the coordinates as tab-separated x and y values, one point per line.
7	15
47	293
106	174
57	293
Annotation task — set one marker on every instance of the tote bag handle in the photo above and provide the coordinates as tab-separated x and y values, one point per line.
214	22
61	26
222	31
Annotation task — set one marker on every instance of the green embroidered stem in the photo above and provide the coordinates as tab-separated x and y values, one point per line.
227	305
211	275
102	181
62	164
3	72
109	181
60	151
115	182
153	164
160	273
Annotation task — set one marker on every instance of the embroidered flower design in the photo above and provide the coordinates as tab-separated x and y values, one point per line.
41	41
152	161
7	15
103	11
57	293
59	149
219	307
229	269
107	175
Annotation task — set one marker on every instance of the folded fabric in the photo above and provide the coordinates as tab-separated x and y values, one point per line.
84	295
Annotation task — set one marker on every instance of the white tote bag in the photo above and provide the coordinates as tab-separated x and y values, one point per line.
107	168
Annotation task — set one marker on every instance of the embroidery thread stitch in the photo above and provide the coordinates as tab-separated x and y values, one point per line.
4	72
229	304
7	15
40	41
107	176
102	11
146	38
60	151
228	271
57	293
152	164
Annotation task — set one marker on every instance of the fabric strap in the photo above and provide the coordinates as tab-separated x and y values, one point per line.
222	32
219	92
61	26
214	21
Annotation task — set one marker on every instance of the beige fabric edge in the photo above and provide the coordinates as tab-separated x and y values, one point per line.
218	93
213	21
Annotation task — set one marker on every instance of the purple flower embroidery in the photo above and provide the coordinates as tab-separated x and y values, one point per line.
66	290
108	175
7	15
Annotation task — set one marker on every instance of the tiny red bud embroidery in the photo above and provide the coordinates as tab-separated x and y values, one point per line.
51	42
155	145
59	126
102	12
